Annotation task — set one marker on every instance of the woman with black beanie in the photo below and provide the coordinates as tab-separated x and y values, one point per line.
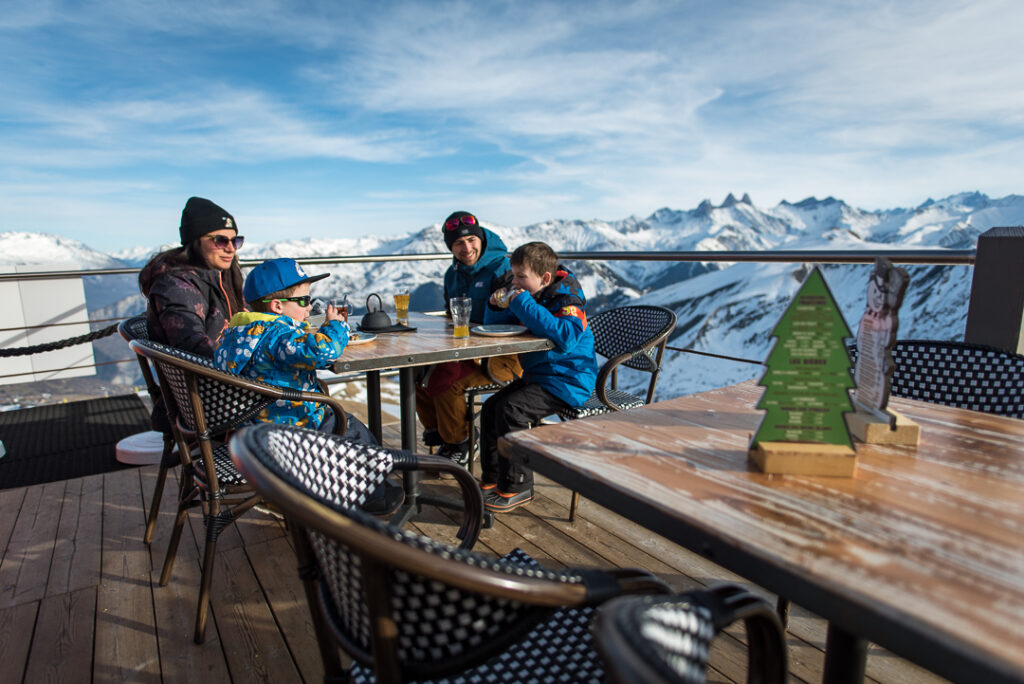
193	290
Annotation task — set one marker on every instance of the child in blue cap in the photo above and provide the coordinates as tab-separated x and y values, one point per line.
274	344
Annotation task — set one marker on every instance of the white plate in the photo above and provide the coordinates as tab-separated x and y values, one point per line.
502	330
361	338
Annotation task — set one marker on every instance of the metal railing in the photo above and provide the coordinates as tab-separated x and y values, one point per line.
958	257
943	257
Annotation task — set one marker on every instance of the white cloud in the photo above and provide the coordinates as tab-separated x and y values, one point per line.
533	110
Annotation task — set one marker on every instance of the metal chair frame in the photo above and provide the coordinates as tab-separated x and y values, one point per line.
209	403
403	606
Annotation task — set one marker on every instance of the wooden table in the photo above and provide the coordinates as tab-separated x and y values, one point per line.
432	342
922	551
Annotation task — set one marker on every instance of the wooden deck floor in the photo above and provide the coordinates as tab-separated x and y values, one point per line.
80	598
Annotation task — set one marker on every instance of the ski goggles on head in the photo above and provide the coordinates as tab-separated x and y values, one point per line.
222	241
467	220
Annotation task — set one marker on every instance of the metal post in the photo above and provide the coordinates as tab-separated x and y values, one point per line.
995	316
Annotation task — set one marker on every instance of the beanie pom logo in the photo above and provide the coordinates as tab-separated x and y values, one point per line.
228	223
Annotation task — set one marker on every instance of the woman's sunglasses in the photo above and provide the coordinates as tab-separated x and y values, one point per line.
222	241
453	223
302	301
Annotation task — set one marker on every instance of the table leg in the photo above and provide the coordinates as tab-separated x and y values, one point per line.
407	416
845	656
373	405
407	407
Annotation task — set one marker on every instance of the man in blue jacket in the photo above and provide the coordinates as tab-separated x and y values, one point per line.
479	266
547	299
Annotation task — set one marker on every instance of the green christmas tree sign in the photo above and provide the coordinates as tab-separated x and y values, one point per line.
807	385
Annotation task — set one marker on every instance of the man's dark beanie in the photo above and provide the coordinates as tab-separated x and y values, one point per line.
461	229
201	216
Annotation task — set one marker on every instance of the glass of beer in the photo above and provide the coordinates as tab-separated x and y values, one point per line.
402	307
460	308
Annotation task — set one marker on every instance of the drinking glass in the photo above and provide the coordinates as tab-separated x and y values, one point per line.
402	307
341	304
460	308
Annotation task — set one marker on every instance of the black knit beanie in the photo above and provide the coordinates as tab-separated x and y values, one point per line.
460	229
201	216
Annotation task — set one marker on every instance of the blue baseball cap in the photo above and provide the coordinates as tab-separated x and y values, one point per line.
274	275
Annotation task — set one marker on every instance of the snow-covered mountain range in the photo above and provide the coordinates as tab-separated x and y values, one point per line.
723	308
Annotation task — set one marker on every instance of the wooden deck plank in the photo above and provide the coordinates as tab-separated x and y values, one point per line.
17	624
26	564
11	501
126	647
78	546
276	568
255	649
65	654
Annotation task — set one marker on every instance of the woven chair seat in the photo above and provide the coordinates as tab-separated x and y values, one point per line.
595	407
227	473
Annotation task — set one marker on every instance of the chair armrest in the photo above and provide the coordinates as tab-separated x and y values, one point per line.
611	366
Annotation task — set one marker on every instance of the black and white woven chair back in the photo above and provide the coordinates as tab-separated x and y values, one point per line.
134	328
958	374
224	406
667	639
442	629
628	328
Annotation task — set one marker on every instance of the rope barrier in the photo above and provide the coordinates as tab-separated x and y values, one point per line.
59	344
716	356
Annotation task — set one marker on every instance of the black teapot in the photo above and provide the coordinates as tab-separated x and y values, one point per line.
375	318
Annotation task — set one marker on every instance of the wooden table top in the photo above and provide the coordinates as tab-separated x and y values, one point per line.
432	342
922	551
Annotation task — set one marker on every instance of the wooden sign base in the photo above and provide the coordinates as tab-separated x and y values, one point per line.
804	458
869	429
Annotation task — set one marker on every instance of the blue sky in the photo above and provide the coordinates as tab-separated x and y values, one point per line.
340	119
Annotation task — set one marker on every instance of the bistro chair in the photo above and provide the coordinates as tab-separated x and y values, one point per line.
632	336
958	374
209	403
135	328
409	608
666	639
